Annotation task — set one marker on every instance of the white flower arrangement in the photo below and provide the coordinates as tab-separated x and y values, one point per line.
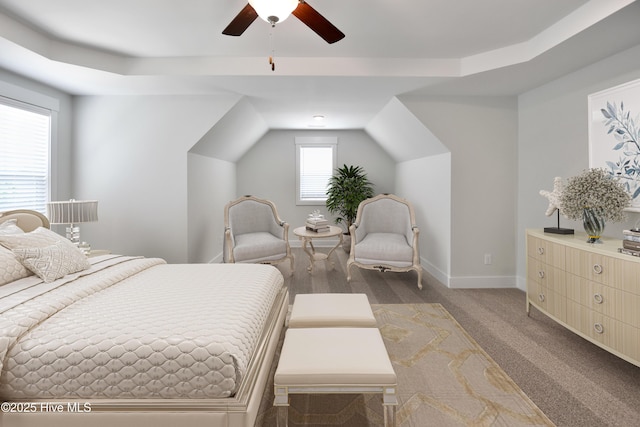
595	189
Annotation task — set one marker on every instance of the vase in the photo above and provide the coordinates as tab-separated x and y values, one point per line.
593	224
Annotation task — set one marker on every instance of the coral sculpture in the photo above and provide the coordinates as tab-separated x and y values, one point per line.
553	196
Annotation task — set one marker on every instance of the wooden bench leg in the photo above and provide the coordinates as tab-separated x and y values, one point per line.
281	401
390	403
283	416
390	416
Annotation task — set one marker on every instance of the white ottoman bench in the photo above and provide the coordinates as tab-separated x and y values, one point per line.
336	361
331	310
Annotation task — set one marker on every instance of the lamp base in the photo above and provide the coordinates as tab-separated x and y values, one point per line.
73	234
85	248
558	230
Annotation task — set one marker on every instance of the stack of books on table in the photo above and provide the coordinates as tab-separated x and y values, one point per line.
630	242
319	225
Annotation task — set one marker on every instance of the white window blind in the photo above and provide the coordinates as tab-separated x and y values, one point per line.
315	165
25	134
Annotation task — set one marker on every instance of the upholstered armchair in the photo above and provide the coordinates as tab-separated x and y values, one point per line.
384	237
254	233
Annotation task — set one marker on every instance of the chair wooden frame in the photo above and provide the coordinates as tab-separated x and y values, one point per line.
228	238
381	266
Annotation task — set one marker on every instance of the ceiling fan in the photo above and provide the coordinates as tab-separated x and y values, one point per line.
277	11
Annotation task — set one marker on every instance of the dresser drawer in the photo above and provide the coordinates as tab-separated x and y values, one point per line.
593	266
547	275
556	305
627	308
592	295
537	294
548	252
610	333
631	277
544	297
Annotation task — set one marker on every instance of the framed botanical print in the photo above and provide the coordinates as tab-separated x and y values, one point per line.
614	135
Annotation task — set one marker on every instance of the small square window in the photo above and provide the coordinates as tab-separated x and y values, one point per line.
315	163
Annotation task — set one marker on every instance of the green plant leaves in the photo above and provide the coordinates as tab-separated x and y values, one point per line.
347	187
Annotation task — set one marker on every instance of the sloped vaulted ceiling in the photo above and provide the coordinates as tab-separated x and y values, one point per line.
234	134
402	135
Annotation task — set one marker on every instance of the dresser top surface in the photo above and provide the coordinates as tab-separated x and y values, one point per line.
608	247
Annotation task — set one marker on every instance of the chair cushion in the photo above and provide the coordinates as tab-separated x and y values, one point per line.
384	248
258	246
331	310
334	356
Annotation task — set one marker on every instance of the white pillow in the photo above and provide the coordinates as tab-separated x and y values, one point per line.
61	257
54	261
34	239
10	227
11	268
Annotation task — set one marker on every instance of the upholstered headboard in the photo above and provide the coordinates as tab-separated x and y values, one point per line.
26	219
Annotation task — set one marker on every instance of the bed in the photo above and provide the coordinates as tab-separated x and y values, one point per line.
114	339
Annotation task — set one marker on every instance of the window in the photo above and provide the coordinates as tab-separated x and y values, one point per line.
25	132
315	163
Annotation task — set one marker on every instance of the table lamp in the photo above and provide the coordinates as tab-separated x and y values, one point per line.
73	212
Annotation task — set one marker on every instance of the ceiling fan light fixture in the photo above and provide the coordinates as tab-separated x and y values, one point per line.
274	11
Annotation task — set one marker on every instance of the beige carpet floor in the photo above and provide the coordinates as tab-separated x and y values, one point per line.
575	383
444	379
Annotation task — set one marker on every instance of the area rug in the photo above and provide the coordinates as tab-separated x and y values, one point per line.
444	379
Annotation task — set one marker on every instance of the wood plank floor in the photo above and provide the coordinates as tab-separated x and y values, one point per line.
573	381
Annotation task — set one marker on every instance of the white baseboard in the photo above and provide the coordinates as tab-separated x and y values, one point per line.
438	274
480	282
466	282
470	282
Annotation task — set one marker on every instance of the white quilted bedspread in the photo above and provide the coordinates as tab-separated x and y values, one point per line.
136	329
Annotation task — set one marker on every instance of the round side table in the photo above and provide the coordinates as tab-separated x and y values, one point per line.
307	237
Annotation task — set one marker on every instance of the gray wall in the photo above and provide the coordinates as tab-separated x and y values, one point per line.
553	140
481	134
426	182
132	156
268	169
211	183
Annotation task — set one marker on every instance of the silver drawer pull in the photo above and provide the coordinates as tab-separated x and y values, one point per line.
598	298
541	297
540	251
597	268
541	274
598	328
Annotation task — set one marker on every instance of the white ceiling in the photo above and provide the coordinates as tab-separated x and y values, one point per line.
392	47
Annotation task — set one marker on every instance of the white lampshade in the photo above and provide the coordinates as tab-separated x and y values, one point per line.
270	9
72	211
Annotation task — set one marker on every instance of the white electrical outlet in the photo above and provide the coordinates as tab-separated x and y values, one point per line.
487	259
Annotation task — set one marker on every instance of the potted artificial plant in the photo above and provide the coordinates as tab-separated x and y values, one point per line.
595	196
346	189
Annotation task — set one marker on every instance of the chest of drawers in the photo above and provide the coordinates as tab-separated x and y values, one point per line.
591	289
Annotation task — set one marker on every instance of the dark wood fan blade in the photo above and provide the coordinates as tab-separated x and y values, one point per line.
317	23
241	22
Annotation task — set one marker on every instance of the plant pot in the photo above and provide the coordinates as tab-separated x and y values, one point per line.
346	242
